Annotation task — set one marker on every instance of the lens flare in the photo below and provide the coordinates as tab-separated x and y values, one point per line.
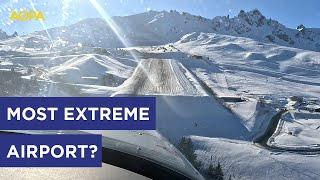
42	23
116	29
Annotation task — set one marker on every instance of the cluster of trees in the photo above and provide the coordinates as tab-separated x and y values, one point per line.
111	80
11	84
186	147
215	172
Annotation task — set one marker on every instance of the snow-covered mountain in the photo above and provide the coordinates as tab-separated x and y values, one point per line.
254	25
155	28
220	82
150	28
4	35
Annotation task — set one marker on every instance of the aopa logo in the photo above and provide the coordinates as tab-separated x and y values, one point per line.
26	15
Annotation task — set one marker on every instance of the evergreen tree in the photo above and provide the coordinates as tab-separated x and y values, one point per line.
215	172
211	171
186	147
219	172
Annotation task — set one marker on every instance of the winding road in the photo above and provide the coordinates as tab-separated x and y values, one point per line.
262	141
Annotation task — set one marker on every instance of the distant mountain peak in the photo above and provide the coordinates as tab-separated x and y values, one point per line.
255	25
253	17
4	35
254	12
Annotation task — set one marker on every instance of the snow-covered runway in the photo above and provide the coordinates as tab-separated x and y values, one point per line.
161	76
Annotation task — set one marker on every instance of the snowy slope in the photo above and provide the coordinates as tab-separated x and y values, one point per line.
179	116
247	66
91	69
264	75
242	160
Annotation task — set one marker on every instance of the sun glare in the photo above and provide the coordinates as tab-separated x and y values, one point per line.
115	28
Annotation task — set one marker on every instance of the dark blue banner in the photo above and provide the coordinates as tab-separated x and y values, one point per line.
50	150
77	113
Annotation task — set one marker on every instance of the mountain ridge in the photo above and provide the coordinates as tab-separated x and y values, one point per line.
162	27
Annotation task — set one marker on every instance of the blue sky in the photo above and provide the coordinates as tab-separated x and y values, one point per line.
64	12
